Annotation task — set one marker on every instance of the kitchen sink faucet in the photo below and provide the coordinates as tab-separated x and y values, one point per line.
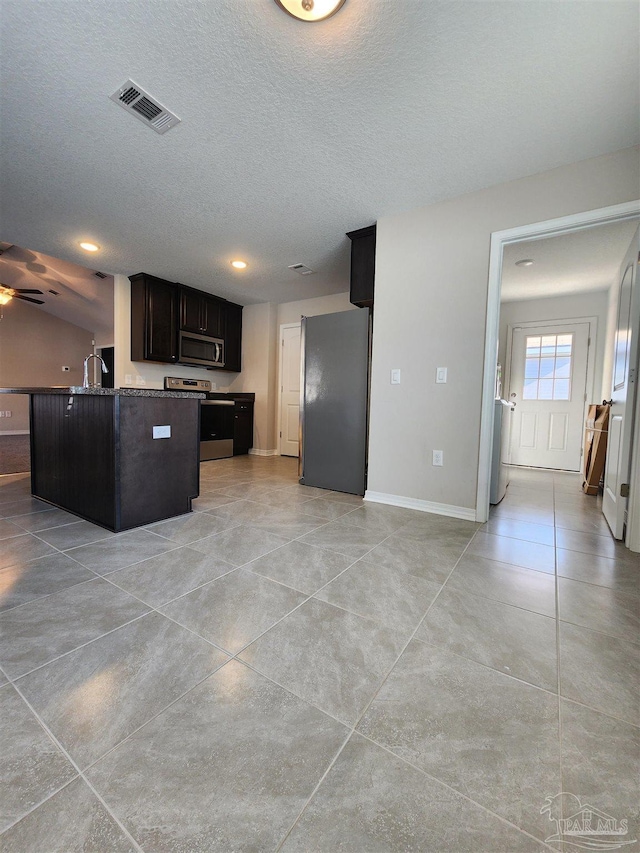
85	380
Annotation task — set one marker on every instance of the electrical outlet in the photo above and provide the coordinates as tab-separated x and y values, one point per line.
128	379
438	458
7	414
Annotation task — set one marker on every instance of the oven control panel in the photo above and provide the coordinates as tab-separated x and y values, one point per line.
173	383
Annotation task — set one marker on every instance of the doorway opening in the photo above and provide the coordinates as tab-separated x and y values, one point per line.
548	385
289	390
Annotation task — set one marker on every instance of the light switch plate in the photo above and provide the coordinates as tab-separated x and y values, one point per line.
162	431
441	375
438	458
395	376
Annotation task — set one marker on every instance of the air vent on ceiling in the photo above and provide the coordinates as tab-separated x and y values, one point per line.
139	103
100	274
301	269
55	292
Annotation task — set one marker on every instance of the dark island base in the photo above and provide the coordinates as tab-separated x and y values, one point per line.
96	456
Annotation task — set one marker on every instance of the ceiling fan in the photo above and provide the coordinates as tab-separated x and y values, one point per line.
9	293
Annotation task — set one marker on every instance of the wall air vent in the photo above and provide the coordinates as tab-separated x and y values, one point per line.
301	269
100	274
139	103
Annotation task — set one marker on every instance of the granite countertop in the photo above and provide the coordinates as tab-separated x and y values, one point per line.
106	392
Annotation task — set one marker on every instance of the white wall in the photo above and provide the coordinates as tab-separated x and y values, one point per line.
560	308
431	292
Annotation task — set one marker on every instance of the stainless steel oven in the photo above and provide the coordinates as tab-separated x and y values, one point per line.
217	418
216	429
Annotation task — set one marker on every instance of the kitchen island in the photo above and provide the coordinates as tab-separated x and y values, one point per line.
119	458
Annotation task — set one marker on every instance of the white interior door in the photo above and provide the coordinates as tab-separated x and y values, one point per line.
548	385
289	390
618	465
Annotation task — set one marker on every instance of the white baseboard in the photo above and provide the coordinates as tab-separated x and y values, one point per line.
422	506
14	432
254	451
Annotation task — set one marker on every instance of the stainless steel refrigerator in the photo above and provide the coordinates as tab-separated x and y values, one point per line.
334	400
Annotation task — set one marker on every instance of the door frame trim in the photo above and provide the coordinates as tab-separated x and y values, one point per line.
589	380
500	239
283	326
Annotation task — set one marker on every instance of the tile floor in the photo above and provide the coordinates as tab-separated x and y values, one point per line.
293	669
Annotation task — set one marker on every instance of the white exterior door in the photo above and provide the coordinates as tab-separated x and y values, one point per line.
548	385
289	390
618	465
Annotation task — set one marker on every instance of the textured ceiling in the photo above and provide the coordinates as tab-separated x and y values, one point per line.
291	133
581	262
83	299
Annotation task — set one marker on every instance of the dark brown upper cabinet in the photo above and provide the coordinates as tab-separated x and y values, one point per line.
363	266
160	309
154	319
200	313
232	337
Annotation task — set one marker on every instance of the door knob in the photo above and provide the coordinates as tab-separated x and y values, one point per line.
514	394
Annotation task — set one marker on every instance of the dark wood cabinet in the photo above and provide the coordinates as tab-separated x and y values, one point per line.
242	427
161	309
232	337
363	266
96	455
154	319
200	313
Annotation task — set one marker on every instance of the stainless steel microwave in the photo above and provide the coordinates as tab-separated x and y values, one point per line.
201	350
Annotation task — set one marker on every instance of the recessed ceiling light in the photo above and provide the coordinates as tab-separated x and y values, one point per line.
89	247
525	262
239	265
310	10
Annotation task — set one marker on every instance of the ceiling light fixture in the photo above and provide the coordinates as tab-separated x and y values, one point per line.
525	262
5	296
310	10
89	247
239	265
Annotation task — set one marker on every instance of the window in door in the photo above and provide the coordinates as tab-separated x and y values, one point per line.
548	363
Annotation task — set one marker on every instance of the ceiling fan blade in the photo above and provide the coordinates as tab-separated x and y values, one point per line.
26	290
29	299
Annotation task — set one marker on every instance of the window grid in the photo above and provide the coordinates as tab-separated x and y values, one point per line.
547	369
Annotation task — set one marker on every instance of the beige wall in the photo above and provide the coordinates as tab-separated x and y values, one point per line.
259	338
34	346
561	308
431	292
290	312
